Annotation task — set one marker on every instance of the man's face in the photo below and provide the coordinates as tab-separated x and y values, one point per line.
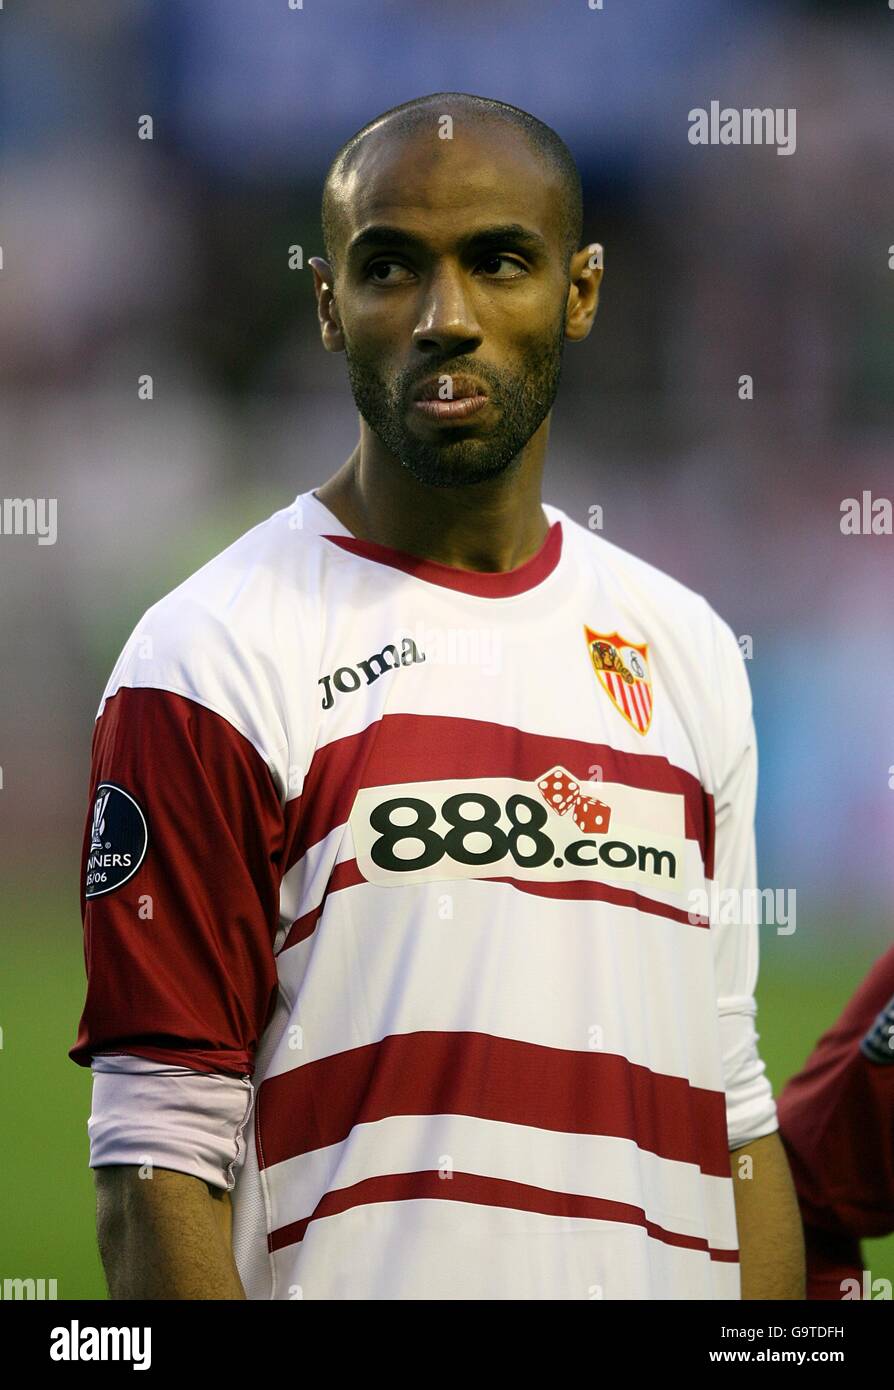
452	281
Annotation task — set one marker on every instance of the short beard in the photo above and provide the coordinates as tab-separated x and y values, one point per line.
523	404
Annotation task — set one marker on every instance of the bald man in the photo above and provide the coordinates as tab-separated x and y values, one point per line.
403	812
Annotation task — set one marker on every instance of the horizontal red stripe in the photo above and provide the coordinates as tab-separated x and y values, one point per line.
481	583
489	1192
416	747
580	889
344	875
463	1073
347	875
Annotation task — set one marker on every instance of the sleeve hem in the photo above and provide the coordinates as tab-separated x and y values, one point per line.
769	1126
226	1063
155	1117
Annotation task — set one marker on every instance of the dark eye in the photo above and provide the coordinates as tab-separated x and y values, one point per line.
491	266
380	273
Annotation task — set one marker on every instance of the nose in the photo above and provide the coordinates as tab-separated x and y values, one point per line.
447	320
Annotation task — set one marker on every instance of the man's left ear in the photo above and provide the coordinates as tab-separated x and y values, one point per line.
583	293
327	309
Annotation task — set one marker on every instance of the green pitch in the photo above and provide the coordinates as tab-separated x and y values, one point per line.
47	1204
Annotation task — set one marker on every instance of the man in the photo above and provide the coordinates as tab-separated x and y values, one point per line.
836	1121
399	805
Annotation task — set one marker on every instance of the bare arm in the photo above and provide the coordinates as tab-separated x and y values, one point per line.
164	1237
771	1237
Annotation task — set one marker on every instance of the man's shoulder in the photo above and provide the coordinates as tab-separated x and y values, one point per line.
264	567
667	598
236	619
697	649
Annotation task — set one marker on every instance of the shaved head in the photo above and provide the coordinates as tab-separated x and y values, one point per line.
479	115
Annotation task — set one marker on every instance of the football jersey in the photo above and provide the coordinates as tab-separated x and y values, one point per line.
425	852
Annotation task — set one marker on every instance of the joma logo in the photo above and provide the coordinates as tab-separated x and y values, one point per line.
347	678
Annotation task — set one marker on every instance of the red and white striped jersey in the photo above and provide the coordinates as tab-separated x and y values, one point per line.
423	851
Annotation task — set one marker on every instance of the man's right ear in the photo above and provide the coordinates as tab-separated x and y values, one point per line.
327	309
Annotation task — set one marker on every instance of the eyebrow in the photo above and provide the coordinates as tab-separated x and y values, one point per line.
381	237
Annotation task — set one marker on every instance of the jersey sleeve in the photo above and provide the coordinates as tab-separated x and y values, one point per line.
750	1106
169	1116
181	869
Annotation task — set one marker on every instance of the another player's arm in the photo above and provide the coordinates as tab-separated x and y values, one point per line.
771	1237
164	1237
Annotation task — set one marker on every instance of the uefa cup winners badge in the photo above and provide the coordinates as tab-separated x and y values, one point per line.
99	824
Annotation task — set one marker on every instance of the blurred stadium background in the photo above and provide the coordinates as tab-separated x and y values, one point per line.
170	257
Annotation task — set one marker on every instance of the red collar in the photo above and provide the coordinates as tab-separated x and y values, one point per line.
482	583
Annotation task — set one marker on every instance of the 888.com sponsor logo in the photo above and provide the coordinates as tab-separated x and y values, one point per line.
500	827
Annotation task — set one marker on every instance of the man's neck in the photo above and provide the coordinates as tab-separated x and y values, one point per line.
490	527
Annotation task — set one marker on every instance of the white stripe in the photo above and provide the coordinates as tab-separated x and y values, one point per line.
675	1195
635	706
554	972
304	885
445	1250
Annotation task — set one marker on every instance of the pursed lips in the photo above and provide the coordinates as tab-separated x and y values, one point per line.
465	396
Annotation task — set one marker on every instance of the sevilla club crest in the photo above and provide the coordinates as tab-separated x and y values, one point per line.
623	671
